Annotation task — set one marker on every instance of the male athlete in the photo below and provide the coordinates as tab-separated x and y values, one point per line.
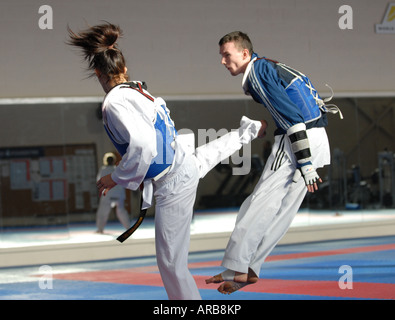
300	147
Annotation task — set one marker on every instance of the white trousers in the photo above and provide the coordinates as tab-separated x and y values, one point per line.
265	216
175	196
103	212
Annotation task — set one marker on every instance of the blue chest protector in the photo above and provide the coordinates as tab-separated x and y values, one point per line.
301	92
298	88
165	134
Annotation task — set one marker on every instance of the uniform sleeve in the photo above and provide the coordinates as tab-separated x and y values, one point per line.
266	84
128	125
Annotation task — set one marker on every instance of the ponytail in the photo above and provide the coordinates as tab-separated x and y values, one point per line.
99	48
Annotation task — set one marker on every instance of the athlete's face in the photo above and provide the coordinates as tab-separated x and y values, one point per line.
235	59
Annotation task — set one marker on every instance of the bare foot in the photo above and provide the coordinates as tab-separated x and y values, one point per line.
216	279
240	280
228	275
229	287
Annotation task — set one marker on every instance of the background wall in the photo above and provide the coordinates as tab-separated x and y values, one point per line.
172	44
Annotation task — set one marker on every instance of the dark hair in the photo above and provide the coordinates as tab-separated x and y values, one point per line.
110	161
240	39
99	48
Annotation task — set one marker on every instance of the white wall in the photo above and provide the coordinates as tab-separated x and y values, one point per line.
172	44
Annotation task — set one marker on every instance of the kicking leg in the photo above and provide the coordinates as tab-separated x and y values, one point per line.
212	153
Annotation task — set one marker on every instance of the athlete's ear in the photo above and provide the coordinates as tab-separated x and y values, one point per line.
97	73
246	54
125	70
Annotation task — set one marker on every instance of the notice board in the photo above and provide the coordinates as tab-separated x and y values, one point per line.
48	180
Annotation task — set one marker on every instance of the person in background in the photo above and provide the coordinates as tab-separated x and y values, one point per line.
115	197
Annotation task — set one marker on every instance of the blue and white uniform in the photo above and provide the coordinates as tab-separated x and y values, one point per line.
148	124
169	166
287	93
297	110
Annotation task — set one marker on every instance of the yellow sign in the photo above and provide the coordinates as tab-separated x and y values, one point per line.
388	24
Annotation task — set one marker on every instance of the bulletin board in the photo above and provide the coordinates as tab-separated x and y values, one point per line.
48	180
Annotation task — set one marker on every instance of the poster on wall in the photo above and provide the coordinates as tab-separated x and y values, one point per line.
388	23
20	174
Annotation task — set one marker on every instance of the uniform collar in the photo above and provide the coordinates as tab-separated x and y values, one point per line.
244	83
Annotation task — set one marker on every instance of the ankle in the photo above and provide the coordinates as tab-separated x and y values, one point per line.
252	277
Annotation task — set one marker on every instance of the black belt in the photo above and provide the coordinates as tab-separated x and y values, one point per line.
134	227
